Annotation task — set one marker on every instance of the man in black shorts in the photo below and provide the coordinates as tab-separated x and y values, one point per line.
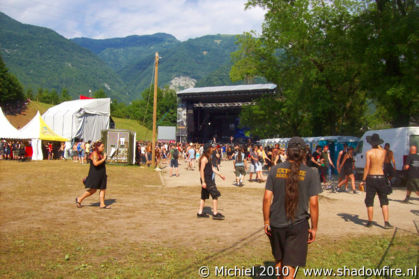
291	188
412	167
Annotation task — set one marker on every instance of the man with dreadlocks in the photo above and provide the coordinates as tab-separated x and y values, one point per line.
291	188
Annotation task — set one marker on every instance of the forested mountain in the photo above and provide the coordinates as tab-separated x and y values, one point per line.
41	58
122	67
202	60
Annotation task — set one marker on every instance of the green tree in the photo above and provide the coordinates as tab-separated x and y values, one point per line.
99	94
386	37
305	48
65	96
10	89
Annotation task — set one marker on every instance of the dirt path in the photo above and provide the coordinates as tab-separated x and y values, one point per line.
40	196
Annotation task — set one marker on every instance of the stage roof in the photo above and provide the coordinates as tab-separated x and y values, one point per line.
226	89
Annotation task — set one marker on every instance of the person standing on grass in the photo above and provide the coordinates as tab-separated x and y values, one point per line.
412	167
291	189
375	179
326	169
208	187
97	178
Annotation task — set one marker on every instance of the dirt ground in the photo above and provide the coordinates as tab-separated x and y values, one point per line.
40	196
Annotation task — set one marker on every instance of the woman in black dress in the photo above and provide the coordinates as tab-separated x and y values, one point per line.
96	179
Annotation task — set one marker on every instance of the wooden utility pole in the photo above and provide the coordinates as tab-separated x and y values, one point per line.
156	77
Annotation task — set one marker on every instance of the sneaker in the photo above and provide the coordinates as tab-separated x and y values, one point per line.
241	184
202	215
218	216
369	224
387	226
355	192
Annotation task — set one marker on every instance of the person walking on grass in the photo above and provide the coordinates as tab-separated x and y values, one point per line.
208	187
339	164
412	167
291	189
97	178
375	180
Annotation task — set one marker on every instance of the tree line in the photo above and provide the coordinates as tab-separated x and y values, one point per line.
341	66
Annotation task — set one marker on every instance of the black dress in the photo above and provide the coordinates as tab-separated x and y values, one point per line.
97	178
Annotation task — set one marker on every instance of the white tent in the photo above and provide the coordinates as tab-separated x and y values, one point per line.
83	119
7	130
37	130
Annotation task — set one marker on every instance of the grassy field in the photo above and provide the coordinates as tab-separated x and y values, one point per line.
22	119
151	230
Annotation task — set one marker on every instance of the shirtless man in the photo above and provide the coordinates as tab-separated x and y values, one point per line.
375	179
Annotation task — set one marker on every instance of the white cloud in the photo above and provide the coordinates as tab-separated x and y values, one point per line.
118	18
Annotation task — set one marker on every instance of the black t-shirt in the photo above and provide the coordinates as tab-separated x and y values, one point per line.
413	161
307	187
317	156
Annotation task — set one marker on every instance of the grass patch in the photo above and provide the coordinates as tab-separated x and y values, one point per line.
40	254
133	125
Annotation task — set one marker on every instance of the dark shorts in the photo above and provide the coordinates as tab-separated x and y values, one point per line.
388	169
240	171
210	190
174	163
376	185
289	245
412	184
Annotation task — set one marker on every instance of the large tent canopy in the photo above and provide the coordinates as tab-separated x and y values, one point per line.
7	130
83	119
37	131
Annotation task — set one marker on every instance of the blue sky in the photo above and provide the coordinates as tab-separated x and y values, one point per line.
119	18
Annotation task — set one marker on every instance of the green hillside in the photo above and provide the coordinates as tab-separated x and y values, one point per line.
205	59
129	124
41	58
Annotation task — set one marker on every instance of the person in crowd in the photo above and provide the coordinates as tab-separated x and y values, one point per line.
75	153
87	150
61	151
2	149
389	162
375	180
339	164
174	160
240	166
328	163
97	178
282	155
191	157
348	166
253	157
291	190
259	164
412	168
315	160
22	151
215	157
208	187
50	151
149	155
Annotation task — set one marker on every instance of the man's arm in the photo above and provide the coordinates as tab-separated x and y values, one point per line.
267	200
338	161
204	161
392	159
314	216
367	166
330	160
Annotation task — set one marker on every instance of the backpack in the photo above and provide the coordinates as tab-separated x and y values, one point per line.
175	154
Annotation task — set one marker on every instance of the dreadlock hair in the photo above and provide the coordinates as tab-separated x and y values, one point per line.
295	156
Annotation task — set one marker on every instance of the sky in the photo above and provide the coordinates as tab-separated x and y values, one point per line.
101	19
